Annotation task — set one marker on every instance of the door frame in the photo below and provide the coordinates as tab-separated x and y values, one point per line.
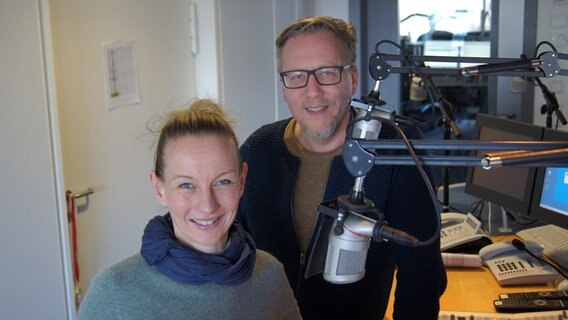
57	162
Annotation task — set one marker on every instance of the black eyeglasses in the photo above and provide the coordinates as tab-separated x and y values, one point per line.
325	76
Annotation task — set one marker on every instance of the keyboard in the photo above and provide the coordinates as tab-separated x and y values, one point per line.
465	315
553	238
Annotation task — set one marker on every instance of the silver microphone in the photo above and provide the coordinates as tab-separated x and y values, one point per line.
369	129
347	252
366	129
348	246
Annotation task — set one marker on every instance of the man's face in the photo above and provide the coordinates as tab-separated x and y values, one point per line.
321	111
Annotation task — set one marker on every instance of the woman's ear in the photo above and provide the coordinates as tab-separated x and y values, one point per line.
158	188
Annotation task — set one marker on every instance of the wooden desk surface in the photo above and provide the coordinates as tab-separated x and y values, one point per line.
473	289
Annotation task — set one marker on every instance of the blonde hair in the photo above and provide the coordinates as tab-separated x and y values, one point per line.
203	116
342	30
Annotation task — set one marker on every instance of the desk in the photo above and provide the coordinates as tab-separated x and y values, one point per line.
473	289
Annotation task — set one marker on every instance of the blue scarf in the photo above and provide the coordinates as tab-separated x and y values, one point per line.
187	265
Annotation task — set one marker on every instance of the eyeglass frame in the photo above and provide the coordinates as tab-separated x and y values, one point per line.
313	72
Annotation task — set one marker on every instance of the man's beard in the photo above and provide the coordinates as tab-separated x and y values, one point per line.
330	130
321	135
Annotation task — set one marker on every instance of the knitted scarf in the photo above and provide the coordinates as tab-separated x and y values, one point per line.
187	265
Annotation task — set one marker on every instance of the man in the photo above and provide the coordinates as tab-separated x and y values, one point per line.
295	164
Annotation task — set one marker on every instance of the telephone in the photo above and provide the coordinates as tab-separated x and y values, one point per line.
462	233
451	218
511	266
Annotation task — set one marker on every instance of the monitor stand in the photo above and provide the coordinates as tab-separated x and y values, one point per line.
504	228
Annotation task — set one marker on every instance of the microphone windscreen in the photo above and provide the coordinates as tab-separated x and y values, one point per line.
366	129
346	257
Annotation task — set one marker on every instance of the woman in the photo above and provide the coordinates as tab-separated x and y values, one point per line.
196	262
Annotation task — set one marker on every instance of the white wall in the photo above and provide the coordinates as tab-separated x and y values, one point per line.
32	272
337	9
247	69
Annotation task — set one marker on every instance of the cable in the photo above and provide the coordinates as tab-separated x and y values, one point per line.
476	211
544	42
515	218
489	219
520	245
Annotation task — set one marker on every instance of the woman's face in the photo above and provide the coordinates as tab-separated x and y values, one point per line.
201	185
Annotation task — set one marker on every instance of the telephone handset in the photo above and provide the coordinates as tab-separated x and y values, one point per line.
506	248
511	266
451	218
462	233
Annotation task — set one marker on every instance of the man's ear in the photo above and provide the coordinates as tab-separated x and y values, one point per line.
158	188
354	79
283	91
243	176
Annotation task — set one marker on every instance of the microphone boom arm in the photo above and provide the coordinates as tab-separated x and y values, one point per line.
547	62
359	160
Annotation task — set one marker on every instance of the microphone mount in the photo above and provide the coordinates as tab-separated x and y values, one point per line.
359	159
551	105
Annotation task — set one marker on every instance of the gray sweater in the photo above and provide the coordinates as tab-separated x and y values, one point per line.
132	289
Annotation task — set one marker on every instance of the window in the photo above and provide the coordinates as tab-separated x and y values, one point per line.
442	28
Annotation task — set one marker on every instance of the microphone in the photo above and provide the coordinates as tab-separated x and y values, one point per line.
347	252
551	105
445	105
349	241
373	106
369	129
521	246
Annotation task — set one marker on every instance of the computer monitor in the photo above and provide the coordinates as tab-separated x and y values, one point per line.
510	187
550	196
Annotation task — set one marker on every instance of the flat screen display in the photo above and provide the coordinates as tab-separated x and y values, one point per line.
550	199
510	187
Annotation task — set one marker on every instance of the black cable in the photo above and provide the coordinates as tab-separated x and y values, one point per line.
515	218
475	207
544	42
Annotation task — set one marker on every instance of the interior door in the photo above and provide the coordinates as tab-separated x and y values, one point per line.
111	150
32	268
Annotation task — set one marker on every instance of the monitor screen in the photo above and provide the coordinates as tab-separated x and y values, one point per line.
510	187
550	197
